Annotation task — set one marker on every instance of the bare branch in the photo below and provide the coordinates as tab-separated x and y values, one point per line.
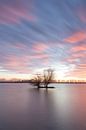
48	77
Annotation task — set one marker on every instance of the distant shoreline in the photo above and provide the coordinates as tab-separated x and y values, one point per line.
52	83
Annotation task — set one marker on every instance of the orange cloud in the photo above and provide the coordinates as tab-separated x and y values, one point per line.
77	37
79	48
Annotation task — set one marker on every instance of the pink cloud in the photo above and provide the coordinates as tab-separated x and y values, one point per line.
77	37
79	55
78	51
40	56
19	46
17	64
39	51
75	54
71	59
14	12
23	63
79	71
22	60
79	48
40	47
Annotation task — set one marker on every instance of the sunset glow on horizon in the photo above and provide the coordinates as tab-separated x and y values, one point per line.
36	34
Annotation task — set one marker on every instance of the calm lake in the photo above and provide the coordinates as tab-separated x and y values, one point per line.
23	107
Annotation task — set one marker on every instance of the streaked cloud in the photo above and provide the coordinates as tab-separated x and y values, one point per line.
79	48
40	47
76	37
81	12
79	72
38	34
15	11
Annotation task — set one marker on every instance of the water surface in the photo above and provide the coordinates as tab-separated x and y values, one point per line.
23	107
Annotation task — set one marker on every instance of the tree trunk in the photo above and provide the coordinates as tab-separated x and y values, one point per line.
46	85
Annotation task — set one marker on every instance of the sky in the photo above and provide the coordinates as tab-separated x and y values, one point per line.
38	34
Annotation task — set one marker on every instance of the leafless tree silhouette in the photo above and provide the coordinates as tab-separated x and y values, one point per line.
37	80
44	80
48	77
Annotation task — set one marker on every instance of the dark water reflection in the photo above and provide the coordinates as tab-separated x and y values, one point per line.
25	108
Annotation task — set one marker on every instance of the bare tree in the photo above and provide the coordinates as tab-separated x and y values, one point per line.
37	80
48	77
45	79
